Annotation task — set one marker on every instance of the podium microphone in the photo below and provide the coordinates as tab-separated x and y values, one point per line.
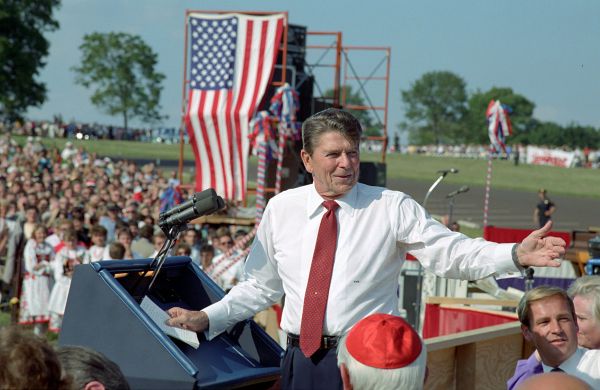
201	203
173	222
459	191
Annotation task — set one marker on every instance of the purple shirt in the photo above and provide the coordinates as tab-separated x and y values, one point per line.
525	369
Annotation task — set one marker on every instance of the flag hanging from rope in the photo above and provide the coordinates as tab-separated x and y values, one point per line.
499	126
232	57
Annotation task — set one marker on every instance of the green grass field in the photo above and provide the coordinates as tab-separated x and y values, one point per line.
563	181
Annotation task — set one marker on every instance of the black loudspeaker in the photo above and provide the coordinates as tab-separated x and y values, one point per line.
320	104
296	47
372	173
103	313
304	86
296	54
265	103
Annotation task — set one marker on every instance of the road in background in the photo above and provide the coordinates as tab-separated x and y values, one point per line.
507	208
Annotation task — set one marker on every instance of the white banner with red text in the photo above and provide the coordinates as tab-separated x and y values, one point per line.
554	157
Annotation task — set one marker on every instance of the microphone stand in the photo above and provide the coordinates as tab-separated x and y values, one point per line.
174	221
528	279
452	197
421	271
450	209
161	256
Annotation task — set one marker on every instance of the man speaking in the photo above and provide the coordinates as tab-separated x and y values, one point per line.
335	248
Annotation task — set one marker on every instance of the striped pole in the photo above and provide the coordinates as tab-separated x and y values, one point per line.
260	180
488	183
280	152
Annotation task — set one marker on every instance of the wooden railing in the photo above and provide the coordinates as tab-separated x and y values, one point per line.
484	358
478	359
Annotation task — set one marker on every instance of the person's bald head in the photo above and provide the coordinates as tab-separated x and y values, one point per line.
553	381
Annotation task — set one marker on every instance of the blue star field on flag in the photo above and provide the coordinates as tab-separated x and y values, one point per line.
213	53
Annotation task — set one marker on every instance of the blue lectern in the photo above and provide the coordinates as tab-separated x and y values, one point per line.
103	313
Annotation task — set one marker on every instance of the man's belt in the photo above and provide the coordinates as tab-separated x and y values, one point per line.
327	342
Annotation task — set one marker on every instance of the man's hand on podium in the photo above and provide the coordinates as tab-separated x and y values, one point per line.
196	321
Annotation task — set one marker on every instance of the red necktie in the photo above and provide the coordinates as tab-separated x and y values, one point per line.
317	289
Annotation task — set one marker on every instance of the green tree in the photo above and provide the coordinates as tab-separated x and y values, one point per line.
572	135
435	107
121	68
23	49
521	115
354	98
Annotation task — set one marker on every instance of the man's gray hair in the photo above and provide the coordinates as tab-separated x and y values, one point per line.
331	119
589	287
363	377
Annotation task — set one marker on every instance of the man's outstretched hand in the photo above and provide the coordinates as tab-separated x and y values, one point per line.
541	251
196	321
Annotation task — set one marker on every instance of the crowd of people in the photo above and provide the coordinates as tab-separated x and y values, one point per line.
61	208
583	158
58	128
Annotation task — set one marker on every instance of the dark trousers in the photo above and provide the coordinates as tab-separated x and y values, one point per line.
301	373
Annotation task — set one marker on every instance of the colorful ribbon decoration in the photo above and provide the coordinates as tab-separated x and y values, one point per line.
261	130
285	105
499	126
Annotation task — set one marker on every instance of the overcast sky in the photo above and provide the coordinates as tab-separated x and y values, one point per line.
547	51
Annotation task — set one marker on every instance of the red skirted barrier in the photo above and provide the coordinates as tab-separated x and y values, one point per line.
442	321
554	277
504	235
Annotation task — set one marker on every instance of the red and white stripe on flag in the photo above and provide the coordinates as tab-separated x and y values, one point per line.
232	57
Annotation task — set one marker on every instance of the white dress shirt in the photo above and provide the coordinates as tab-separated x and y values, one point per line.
376	228
583	364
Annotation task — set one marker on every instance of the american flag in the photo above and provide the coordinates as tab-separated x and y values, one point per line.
232	61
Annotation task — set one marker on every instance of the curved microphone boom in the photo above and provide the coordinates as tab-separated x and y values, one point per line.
442	173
